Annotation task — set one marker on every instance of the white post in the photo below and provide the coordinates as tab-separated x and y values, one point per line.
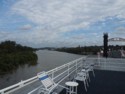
52	74
2	92
68	69
82	62
99	58
76	66
21	83
105	63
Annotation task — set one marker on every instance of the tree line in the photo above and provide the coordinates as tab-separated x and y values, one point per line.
87	50
12	55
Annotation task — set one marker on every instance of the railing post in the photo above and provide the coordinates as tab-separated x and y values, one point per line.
105	62
53	74
81	64
2	92
99	59
68	69
76	66
21	83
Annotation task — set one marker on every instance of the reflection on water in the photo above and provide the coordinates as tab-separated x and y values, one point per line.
46	60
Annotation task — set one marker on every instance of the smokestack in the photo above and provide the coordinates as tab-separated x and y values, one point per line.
105	52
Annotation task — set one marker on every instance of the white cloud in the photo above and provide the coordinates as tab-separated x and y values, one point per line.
59	13
56	17
26	27
120	30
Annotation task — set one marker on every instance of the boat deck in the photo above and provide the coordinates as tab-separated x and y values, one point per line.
110	75
105	82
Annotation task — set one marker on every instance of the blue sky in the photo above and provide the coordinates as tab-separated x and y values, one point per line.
61	23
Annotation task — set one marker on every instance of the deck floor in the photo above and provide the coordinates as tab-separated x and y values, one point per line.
105	82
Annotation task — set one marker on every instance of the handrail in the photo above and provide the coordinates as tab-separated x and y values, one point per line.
110	64
33	79
18	85
68	69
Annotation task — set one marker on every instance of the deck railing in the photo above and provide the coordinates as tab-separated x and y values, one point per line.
58	74
111	64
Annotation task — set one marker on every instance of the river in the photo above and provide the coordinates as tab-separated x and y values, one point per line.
47	60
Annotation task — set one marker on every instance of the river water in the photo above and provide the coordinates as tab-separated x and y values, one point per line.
47	60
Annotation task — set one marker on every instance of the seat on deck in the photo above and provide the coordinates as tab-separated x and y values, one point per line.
82	76
89	68
48	85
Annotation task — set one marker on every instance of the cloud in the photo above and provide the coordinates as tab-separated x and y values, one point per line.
78	37
120	30
26	27
56	17
62	13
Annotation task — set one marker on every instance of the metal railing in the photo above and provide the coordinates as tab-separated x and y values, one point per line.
114	64
58	74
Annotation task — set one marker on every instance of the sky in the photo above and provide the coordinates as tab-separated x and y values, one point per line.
61	23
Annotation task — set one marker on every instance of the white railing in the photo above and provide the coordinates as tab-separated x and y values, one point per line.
114	64
65	69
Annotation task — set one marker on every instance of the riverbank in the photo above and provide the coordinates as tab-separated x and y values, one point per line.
87	50
13	55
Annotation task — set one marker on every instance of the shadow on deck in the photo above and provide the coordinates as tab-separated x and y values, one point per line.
105	82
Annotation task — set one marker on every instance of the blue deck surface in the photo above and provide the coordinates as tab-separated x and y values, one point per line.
105	82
